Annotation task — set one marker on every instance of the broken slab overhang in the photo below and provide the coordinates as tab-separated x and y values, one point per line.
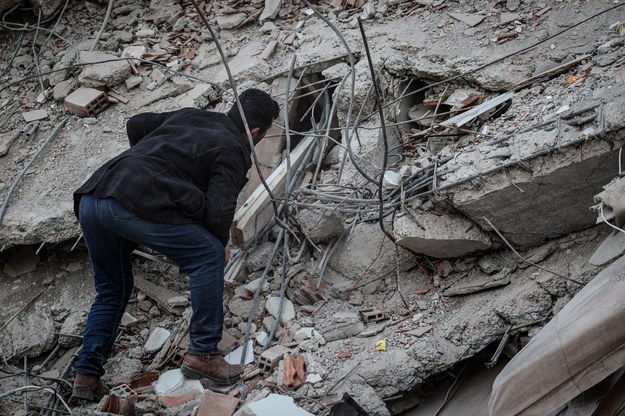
542	184
441	236
579	347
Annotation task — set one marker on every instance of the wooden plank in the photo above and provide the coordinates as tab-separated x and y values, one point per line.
258	210
467	116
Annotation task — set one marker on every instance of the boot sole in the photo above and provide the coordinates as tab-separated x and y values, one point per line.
196	375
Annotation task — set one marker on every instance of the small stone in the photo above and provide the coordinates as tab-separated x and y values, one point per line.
157	339
288	311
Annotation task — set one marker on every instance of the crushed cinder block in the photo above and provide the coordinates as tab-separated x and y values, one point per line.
372	315
86	102
215	404
120	401
270	358
156	340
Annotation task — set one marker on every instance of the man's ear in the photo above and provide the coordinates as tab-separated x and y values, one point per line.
256	135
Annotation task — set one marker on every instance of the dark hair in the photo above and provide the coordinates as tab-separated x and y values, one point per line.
259	108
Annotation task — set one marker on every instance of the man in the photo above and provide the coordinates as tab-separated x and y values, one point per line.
174	190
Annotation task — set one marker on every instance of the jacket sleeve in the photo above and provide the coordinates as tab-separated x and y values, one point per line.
140	125
227	178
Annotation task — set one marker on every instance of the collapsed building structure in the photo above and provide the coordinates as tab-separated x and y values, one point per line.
399	228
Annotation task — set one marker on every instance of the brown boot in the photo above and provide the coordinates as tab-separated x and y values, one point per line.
212	367
88	388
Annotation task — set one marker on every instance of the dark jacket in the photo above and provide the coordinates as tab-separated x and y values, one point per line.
186	166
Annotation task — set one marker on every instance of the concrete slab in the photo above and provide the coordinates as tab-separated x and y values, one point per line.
441	236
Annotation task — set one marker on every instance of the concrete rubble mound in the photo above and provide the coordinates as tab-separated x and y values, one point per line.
404	230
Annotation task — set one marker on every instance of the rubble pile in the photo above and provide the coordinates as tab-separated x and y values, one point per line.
406	244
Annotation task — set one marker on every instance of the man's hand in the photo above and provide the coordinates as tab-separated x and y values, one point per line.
226	254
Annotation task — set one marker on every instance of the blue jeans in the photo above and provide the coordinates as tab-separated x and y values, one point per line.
111	233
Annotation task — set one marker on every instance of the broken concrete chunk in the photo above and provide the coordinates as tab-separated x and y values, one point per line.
230	21
72	329
105	73
611	248
63	89
18	336
545	66
509	18
440	236
252	286
128	319
235	356
157	339
276	404
321	225
273	305
271	10
469	19
342	330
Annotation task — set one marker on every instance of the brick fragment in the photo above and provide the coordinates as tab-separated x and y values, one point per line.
86	102
270	358
215	404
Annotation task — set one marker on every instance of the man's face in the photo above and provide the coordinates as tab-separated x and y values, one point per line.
257	135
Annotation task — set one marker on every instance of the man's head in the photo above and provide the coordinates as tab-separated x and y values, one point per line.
260	110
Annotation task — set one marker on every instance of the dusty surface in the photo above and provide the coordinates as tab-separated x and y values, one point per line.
437	311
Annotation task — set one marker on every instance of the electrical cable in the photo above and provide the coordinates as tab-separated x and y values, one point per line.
107	16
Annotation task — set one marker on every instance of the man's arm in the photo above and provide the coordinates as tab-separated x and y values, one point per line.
227	175
141	125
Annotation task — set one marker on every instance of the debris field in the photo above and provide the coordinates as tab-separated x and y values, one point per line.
440	180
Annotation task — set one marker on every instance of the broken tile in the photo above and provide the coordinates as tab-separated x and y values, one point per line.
508	18
215	404
276	404
168	382
235	356
420	331
35	115
469	19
